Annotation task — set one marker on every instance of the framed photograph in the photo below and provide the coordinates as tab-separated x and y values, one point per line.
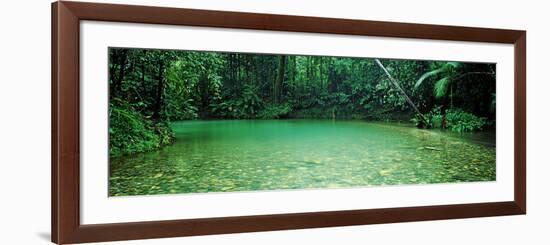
178	122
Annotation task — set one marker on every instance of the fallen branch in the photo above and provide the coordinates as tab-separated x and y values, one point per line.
396	84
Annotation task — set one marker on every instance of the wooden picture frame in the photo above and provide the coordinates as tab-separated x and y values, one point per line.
65	175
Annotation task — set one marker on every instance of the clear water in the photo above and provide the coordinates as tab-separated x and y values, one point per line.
248	155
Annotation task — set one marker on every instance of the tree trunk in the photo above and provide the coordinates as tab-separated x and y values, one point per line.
279	79
160	90
204	93
143	67
143	73
332	78
122	66
321	77
293	76
451	96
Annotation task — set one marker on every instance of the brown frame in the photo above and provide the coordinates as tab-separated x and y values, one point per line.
65	175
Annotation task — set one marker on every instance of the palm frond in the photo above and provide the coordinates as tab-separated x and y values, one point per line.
454	64
426	75
440	87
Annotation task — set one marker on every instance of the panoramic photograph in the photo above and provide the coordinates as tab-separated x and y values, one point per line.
183	122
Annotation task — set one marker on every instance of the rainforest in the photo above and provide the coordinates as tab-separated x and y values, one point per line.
198	121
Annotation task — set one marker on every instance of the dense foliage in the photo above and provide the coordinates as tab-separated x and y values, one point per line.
456	120
130	133
149	88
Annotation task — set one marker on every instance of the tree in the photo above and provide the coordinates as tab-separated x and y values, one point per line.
160	88
121	60
279	80
447	73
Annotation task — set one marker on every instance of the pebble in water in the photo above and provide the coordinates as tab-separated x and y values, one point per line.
297	154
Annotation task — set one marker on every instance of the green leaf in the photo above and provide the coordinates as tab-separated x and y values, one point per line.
440	88
427	75
454	64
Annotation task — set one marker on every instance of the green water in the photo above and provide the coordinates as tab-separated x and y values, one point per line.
225	156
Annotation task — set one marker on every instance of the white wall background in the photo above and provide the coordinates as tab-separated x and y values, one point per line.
25	121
